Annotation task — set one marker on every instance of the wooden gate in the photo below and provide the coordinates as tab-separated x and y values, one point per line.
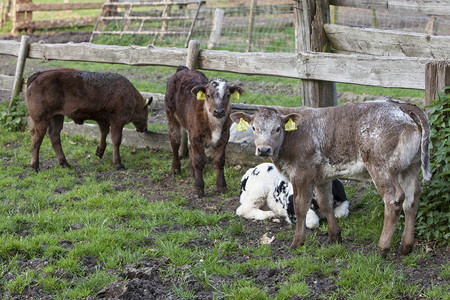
148	18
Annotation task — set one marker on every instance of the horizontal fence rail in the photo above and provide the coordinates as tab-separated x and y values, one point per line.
427	7
371	41
26	7
400	72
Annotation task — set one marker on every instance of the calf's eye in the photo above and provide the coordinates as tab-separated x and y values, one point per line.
278	129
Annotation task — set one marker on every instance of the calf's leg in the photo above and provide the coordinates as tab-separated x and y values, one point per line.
410	183
54	133
37	135
175	141
104	131
324	199
116	138
393	196
219	164
198	163
302	202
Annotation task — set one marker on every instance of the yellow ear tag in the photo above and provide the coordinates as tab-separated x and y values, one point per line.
201	95
242	126
290	125
235	96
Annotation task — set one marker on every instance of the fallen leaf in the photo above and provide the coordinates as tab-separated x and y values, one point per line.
265	240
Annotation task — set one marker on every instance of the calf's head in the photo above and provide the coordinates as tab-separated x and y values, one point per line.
217	95
140	116
269	129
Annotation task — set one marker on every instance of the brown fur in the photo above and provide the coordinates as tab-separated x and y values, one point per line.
183	110
109	99
386	141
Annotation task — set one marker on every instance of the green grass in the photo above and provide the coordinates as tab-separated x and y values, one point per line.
106	215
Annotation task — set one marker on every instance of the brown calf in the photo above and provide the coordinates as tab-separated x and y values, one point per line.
386	141
109	99
206	121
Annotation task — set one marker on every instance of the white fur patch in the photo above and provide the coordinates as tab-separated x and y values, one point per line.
263	186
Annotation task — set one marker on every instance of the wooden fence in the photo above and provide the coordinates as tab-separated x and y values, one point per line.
363	56
23	13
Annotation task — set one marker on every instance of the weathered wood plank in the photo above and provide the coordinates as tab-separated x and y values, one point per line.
6	82
387	42
129	55
255	63
23	7
149	3
358	69
57	23
426	7
141	32
401	72
9	47
140	18
242	153
367	70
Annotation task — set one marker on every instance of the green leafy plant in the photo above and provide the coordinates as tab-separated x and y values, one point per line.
14	118
434	213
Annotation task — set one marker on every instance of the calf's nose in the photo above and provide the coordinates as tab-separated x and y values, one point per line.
264	151
219	113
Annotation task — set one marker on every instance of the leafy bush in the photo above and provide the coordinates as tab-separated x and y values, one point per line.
16	119
434	205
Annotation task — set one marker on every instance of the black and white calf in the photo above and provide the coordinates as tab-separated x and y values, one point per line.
264	187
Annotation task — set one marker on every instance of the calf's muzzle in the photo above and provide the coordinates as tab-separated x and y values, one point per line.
219	113
264	151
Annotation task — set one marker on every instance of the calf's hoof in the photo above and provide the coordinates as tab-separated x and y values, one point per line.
65	164
383	252
222	189
406	249
120	167
200	193
296	244
335	238
99	152
35	168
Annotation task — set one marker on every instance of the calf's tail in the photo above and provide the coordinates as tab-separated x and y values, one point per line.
421	120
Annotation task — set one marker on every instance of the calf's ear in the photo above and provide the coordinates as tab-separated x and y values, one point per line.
198	88
237	116
148	101
296	118
236	88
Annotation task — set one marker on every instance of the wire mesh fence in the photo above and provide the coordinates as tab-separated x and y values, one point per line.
269	26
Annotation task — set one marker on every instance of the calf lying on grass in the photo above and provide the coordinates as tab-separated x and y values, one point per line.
385	140
263	186
109	99
202	107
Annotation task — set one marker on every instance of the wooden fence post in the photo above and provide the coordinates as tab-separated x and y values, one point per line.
191	63
20	18
191	59
217	28
437	76
18	77
309	18
250	25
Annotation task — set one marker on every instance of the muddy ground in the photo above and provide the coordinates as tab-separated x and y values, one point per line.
142	280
